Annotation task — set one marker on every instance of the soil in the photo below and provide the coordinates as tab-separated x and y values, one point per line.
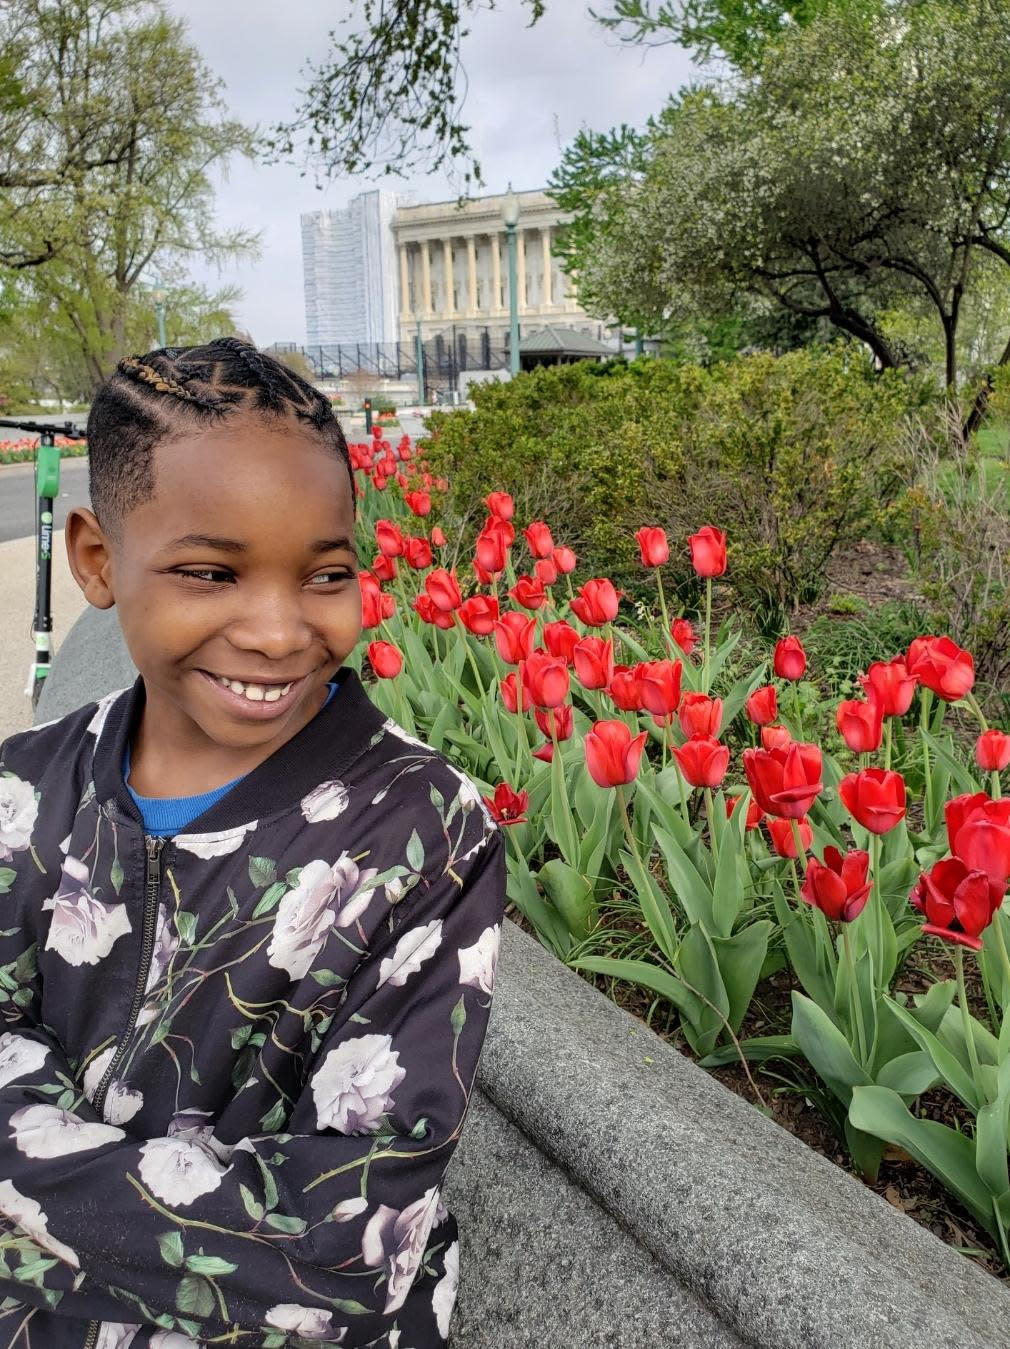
902	1182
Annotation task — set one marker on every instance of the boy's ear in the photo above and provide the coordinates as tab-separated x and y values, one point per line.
90	557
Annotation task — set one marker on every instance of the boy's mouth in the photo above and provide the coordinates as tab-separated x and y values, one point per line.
260	702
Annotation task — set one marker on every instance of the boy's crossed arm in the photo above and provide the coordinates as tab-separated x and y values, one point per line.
304	1232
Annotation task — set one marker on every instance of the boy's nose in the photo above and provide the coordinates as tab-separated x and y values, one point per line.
274	628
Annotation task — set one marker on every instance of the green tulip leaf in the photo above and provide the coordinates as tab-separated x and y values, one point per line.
571	894
740	959
909	1074
825	1048
655	905
950	1070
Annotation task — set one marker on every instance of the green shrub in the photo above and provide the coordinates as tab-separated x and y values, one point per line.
791	455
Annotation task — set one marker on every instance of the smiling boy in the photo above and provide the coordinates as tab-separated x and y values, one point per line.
247	952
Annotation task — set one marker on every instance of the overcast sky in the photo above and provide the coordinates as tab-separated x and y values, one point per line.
530	91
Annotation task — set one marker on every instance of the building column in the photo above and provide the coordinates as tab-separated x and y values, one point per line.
548	293
471	274
521	267
450	305
425	278
404	283
496	304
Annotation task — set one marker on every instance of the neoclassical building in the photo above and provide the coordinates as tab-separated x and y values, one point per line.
453	268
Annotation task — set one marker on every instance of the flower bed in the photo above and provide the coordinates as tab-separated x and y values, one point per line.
607	749
24	450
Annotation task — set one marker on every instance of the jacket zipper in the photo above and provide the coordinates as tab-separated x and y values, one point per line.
152	885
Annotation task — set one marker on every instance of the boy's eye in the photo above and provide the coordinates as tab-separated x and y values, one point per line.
212	573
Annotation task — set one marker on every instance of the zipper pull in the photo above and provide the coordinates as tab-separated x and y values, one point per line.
154	847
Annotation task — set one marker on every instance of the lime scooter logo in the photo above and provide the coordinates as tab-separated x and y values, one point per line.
46	535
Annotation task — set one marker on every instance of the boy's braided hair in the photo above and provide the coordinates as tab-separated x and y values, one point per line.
156	397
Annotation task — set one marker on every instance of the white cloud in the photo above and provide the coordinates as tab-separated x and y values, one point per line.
530	90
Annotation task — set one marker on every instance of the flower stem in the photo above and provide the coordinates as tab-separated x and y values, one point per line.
798	840
962	998
706	671
887	742
972	702
997	788
710	816
927	699
667	636
855	1006
629	833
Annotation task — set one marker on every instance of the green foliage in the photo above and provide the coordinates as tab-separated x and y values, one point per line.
791	455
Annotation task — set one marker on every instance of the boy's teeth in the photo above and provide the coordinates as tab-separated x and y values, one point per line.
256	693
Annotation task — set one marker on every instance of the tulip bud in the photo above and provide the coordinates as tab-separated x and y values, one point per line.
708	551
385	659
763	706
702	760
992	751
875	798
612	753
652	546
790	660
942	666
784	839
564	560
860	723
683	635
700	714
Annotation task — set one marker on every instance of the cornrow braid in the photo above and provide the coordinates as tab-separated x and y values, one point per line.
155	397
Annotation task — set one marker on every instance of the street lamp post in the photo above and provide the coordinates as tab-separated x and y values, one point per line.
510	215
419	357
159	296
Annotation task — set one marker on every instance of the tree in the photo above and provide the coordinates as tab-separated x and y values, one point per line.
143	210
861	168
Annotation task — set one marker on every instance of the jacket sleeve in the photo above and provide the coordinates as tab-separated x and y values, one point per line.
319	1231
20	986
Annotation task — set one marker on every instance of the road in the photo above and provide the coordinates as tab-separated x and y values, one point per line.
17	496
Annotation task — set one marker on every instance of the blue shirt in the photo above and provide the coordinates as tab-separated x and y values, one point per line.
167	815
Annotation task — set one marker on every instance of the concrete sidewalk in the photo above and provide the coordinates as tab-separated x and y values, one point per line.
17	607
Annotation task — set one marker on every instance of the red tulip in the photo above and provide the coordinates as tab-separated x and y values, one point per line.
484	578
556	722
479	614
978	831
700	714
790	660
545	752
784	782
383	567
860	723
875	797
491	548
612	753
596	603
942	666
625	690
763	705
652	546
375	605
538	536
594	662
388	538
500	504
703	760
992	751
429	612
438	538
443	588
775	737
507	806
546	677
513	636
564	560
958	903
754	812
545	571
561	639
660	686
893	685
838	886
418	502
529	592
683	635
417	553
510	688
385	659
708	551
784	840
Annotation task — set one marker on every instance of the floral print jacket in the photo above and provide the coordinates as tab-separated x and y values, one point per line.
235	1063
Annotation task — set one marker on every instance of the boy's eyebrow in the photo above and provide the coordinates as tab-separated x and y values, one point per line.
236	546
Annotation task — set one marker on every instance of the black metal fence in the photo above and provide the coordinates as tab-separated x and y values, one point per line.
445	356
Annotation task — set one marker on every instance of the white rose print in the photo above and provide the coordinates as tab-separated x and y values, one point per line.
415	946
19	1056
477	963
309	1323
18	813
25	1215
444	1297
116	1335
214	845
396	1241
121	1103
47	1131
326	802
83	929
353	1087
325	896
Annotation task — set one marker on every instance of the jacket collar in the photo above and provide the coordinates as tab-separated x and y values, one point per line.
320	752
